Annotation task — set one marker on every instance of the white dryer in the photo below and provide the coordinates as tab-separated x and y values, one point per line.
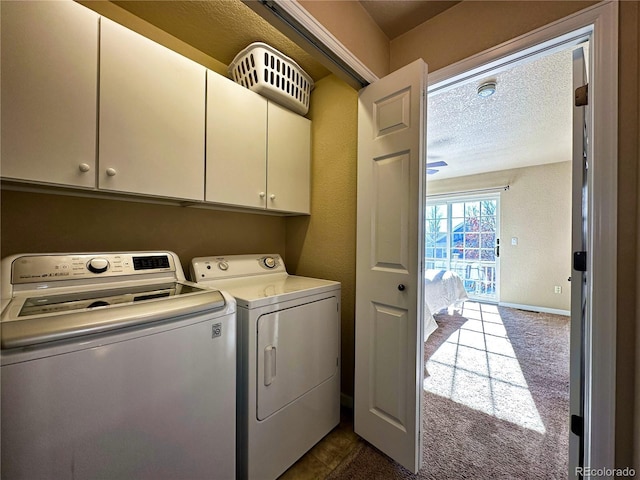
288	358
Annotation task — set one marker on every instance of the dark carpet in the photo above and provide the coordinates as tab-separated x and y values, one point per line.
501	404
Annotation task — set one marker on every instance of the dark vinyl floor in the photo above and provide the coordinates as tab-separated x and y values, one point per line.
327	454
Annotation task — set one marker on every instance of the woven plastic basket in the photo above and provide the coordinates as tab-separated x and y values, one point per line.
266	71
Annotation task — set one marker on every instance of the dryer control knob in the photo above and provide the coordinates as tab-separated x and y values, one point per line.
224	266
98	265
269	262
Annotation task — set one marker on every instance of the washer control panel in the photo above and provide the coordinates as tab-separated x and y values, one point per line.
58	267
98	265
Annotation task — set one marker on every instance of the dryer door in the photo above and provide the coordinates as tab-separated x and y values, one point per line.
297	350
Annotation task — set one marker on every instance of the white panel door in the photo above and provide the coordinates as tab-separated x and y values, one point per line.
152	115
390	263
288	160
236	144
49	92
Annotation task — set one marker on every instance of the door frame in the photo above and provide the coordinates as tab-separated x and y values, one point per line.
601	23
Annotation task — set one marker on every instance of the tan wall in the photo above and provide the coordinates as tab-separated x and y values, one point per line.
323	245
351	24
537	210
35	223
471	27
129	20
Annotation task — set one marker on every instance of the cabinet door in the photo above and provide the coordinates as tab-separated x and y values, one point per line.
288	160
236	144
152	103
49	92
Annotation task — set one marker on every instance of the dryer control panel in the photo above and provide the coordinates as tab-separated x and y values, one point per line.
269	262
218	268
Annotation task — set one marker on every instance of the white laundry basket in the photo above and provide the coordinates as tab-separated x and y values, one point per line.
266	71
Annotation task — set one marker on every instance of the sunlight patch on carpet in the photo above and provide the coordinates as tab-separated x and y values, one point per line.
477	367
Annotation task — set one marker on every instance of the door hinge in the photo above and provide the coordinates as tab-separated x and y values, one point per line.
577	425
580	261
582	96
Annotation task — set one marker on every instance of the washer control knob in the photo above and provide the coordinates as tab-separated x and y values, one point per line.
98	265
224	266
269	262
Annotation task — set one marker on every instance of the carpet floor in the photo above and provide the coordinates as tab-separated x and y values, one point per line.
496	400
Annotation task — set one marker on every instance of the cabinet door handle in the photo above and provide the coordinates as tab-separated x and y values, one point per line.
84	167
272	196
262	194
111	172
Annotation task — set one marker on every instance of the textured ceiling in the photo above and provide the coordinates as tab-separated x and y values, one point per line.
528	121
395	17
219	28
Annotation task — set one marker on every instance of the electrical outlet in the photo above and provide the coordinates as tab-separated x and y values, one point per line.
557	289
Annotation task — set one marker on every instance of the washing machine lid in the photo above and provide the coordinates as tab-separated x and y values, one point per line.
31	320
258	291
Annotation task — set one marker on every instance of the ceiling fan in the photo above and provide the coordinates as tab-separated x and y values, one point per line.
431	166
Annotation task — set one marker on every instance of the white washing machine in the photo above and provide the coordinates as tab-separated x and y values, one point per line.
288	358
114	366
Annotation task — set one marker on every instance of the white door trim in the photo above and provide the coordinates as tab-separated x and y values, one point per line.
601	21
302	17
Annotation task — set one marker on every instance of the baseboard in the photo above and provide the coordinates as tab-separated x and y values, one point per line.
533	308
346	401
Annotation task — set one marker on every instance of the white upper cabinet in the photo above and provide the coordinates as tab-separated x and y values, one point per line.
49	92
288	160
89	103
152	117
258	153
236	144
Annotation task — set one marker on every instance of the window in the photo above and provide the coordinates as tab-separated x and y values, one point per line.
462	236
